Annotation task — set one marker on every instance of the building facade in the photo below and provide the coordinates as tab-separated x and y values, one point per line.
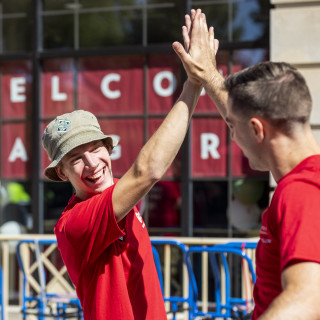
295	38
114	58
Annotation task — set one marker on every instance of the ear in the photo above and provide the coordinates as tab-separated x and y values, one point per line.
258	129
61	174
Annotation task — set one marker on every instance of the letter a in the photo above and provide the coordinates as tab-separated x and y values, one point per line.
18	151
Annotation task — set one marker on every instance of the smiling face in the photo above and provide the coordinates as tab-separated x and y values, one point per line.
88	168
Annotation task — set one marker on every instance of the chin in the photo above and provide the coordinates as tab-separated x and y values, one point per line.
257	167
108	183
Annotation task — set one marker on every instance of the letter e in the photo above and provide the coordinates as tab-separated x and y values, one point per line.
17	89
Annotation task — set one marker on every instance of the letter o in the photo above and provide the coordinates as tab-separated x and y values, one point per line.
157	81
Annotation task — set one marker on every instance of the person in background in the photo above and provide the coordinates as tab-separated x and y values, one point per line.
267	108
101	235
244	211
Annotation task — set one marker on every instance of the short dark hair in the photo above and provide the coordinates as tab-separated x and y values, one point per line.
275	91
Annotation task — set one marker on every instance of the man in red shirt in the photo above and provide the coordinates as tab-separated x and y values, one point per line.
101	235
267	108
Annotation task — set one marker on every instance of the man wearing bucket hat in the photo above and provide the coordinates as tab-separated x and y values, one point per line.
267	108
101	235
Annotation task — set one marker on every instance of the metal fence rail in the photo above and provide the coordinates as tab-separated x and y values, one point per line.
11	281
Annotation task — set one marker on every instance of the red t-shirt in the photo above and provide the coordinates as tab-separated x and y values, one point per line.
110	264
290	230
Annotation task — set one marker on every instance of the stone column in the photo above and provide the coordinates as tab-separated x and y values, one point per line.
295	38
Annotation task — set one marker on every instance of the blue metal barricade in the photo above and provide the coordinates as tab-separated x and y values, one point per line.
230	307
178	303
35	298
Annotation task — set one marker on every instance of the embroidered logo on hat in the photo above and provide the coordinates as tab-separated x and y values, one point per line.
63	125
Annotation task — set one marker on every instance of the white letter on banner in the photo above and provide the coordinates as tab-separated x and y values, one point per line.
105	89
18	151
17	89
116	152
209	145
157	81
55	94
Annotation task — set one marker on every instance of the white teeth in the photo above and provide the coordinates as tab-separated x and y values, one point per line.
96	175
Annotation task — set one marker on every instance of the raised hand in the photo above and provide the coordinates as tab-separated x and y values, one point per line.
198	57
200	47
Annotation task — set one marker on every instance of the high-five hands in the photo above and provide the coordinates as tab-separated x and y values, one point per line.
198	57
200	48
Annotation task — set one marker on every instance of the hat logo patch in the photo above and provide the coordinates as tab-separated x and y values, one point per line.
63	125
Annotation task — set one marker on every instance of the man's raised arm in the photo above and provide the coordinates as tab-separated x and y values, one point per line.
157	154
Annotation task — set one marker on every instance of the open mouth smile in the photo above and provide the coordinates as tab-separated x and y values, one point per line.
96	176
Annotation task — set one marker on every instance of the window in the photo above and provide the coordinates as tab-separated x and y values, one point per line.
114	58
15	26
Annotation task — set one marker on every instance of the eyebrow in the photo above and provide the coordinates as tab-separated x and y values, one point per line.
71	155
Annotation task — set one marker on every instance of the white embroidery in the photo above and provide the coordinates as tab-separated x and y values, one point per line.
265	235
138	215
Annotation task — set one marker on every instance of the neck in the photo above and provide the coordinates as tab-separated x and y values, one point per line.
288	151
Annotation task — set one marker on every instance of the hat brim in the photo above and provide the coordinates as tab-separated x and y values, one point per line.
50	170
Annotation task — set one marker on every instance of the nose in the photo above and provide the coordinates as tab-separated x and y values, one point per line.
90	160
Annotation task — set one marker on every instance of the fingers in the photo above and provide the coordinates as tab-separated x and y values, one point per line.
195	33
186	32
211	40
214	43
193	14
204	22
207	40
216	46
186	38
179	50
187	22
197	37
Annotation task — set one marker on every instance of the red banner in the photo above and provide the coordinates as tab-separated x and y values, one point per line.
57	87
111	85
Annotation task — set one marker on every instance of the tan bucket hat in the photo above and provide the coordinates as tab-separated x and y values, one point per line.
67	132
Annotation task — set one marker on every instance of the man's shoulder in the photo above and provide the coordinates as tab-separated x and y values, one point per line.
299	186
307	171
